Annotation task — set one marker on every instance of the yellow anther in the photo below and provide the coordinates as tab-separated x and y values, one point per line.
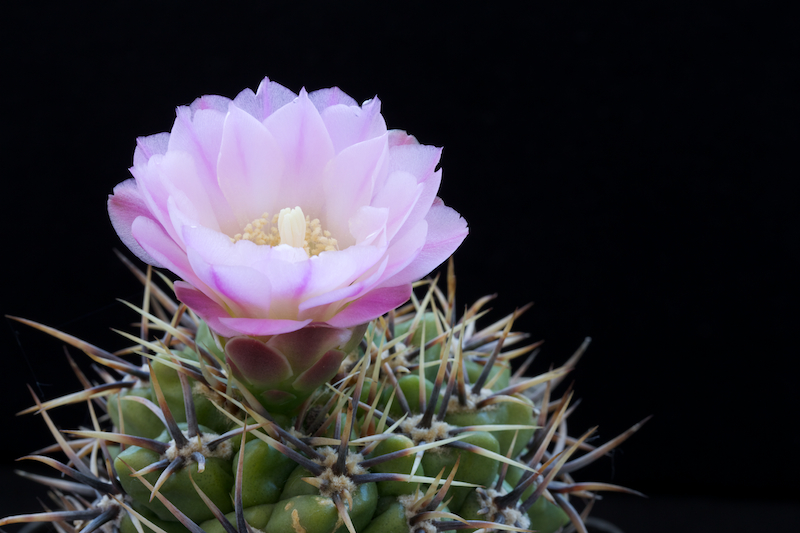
289	226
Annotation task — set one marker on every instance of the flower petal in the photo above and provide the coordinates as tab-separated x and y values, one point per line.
148	146
262	326
348	185
249	168
152	237
403	251
124	206
375	303
269	97
198	134
368	226
349	124
324	98
399	196
446	231
363	266
307	148
326	305
208	309
247	291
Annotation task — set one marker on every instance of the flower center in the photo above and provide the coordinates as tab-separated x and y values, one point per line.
289	226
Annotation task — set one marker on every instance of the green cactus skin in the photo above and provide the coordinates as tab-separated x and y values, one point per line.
318	514
392	520
257	516
265	473
297	475
400	465
136	418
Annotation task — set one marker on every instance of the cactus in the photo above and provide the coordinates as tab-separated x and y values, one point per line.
420	426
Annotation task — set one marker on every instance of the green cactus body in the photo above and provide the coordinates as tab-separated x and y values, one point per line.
265	473
325	462
392	520
402	465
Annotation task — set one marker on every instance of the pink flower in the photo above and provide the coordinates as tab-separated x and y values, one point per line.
278	210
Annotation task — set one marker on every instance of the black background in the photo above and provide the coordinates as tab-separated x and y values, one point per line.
630	169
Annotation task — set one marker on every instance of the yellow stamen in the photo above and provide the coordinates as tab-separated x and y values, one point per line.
289	226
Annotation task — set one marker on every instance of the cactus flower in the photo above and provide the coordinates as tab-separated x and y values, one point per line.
279	210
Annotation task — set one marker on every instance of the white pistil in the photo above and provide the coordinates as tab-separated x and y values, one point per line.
292	227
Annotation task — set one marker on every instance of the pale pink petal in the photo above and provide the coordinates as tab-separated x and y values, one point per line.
178	174
261	104
307	149
446	231
349	124
418	159
209	310
419	209
164	250
332	272
277	279
153	190
399	196
269	97
327	304
178	219
400	137
324	98
221	322
249	168
210	101
288	280
403	251
208	251
262	326
146	147
348	184
198	134
124	206
376	303
368	226
248	291
217	249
